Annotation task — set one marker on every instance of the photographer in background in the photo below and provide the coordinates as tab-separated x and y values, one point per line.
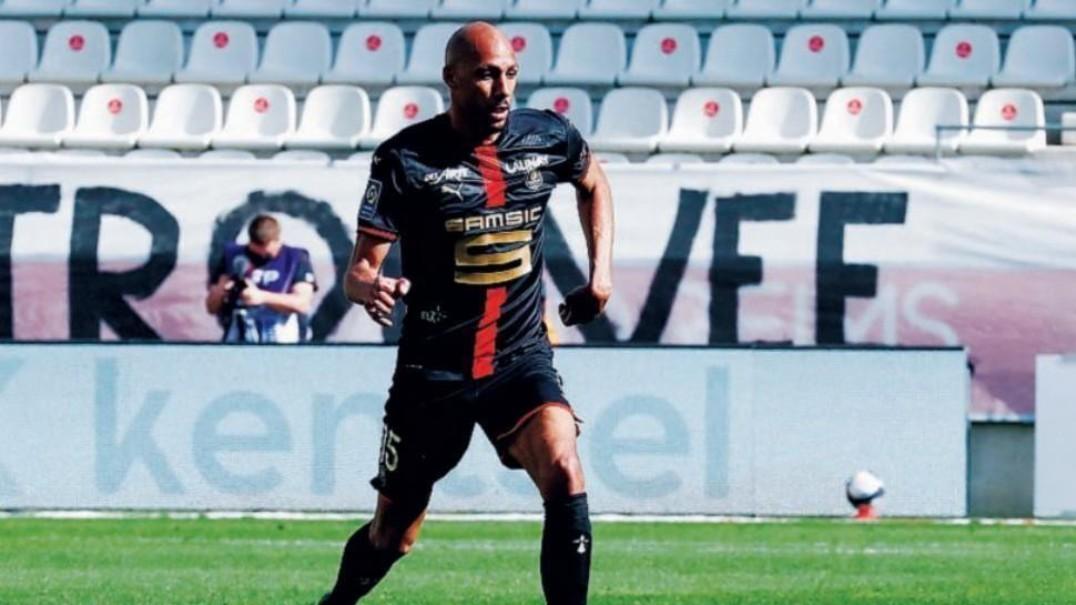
262	292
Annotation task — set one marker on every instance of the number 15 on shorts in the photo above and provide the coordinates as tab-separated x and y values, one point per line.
390	458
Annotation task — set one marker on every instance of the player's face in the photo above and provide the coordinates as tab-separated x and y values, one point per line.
485	92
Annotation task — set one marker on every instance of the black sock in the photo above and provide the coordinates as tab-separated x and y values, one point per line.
361	568
566	547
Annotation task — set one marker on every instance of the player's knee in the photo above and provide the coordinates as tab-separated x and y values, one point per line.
563	476
388	540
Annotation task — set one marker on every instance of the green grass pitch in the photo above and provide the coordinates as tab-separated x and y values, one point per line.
166	561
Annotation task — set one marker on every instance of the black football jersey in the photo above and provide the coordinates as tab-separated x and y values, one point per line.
469	222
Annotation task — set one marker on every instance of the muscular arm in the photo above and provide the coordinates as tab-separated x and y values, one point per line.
595	202
364	284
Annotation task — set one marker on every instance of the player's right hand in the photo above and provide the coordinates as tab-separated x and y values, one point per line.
385	291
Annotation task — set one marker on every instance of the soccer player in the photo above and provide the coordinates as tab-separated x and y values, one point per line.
465	194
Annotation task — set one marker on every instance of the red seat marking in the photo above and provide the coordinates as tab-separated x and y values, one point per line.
816	44
221	40
261	105
373	42
668	46
76	43
1008	112
963	50
561	105
711	108
410	111
115	106
855	106
519	44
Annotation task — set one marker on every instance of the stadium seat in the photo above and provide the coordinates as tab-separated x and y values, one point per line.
18	53
618	9
781	120
825	159
111	116
589	54
295	54
427	54
765	9
673	159
749	159
705	120
856	120
195	9
1025	66
609	157
33	8
260	117
921	111
572	103
665	54
369	53
888	56
334	117
1051	10
227	155
467	10
222	52
739	56
902	161
691	9
250	9
534	50
840	9
631	120
812	56
905	10
103	8
79	154
153	155
75	54
186	116
400	9
38	115
1007	107
401	107
323	9
962	56
305	156
149	53
544	9
989	9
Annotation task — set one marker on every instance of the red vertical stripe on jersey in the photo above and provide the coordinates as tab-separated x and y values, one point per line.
485	340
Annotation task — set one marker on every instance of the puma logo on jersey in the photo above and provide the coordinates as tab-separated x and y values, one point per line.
456	191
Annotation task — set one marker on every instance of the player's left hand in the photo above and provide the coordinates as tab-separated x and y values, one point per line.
252	295
584	304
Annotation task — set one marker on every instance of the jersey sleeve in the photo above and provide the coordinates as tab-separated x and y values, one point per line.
576	154
380	208
304	271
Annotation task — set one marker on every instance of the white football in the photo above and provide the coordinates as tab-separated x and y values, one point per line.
863	486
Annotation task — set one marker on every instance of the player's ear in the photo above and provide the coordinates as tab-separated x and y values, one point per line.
449	76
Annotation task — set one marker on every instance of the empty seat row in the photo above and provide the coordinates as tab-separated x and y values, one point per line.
372	54
550	9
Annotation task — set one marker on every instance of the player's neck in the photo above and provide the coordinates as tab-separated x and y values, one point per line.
472	135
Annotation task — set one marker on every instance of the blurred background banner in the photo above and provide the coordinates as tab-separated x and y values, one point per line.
971	252
672	430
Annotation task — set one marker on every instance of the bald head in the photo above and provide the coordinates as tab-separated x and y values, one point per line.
480	72
474	41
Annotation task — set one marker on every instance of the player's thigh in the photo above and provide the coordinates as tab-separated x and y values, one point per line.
546	447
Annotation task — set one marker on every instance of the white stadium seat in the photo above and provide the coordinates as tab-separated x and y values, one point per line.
590	54
989	9
33	8
186	116
334	117
921	111
296	54
739	56
900	10
888	56
489	10
369	53
149	53
749	159
545	9
812	56
840	9
103	8
1051	10
322	9
780	120
157	155
177	8
825	159
222	52
674	159
765	9
533	47
250	9
18	53
572	103
691	9
665	54
1025	66
401	107
1007	107
75	53
856	120
427	54
304	156
260	117
227	155
962	56
403	9
705	120
618	9
609	157
112	116
38	115
631	120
